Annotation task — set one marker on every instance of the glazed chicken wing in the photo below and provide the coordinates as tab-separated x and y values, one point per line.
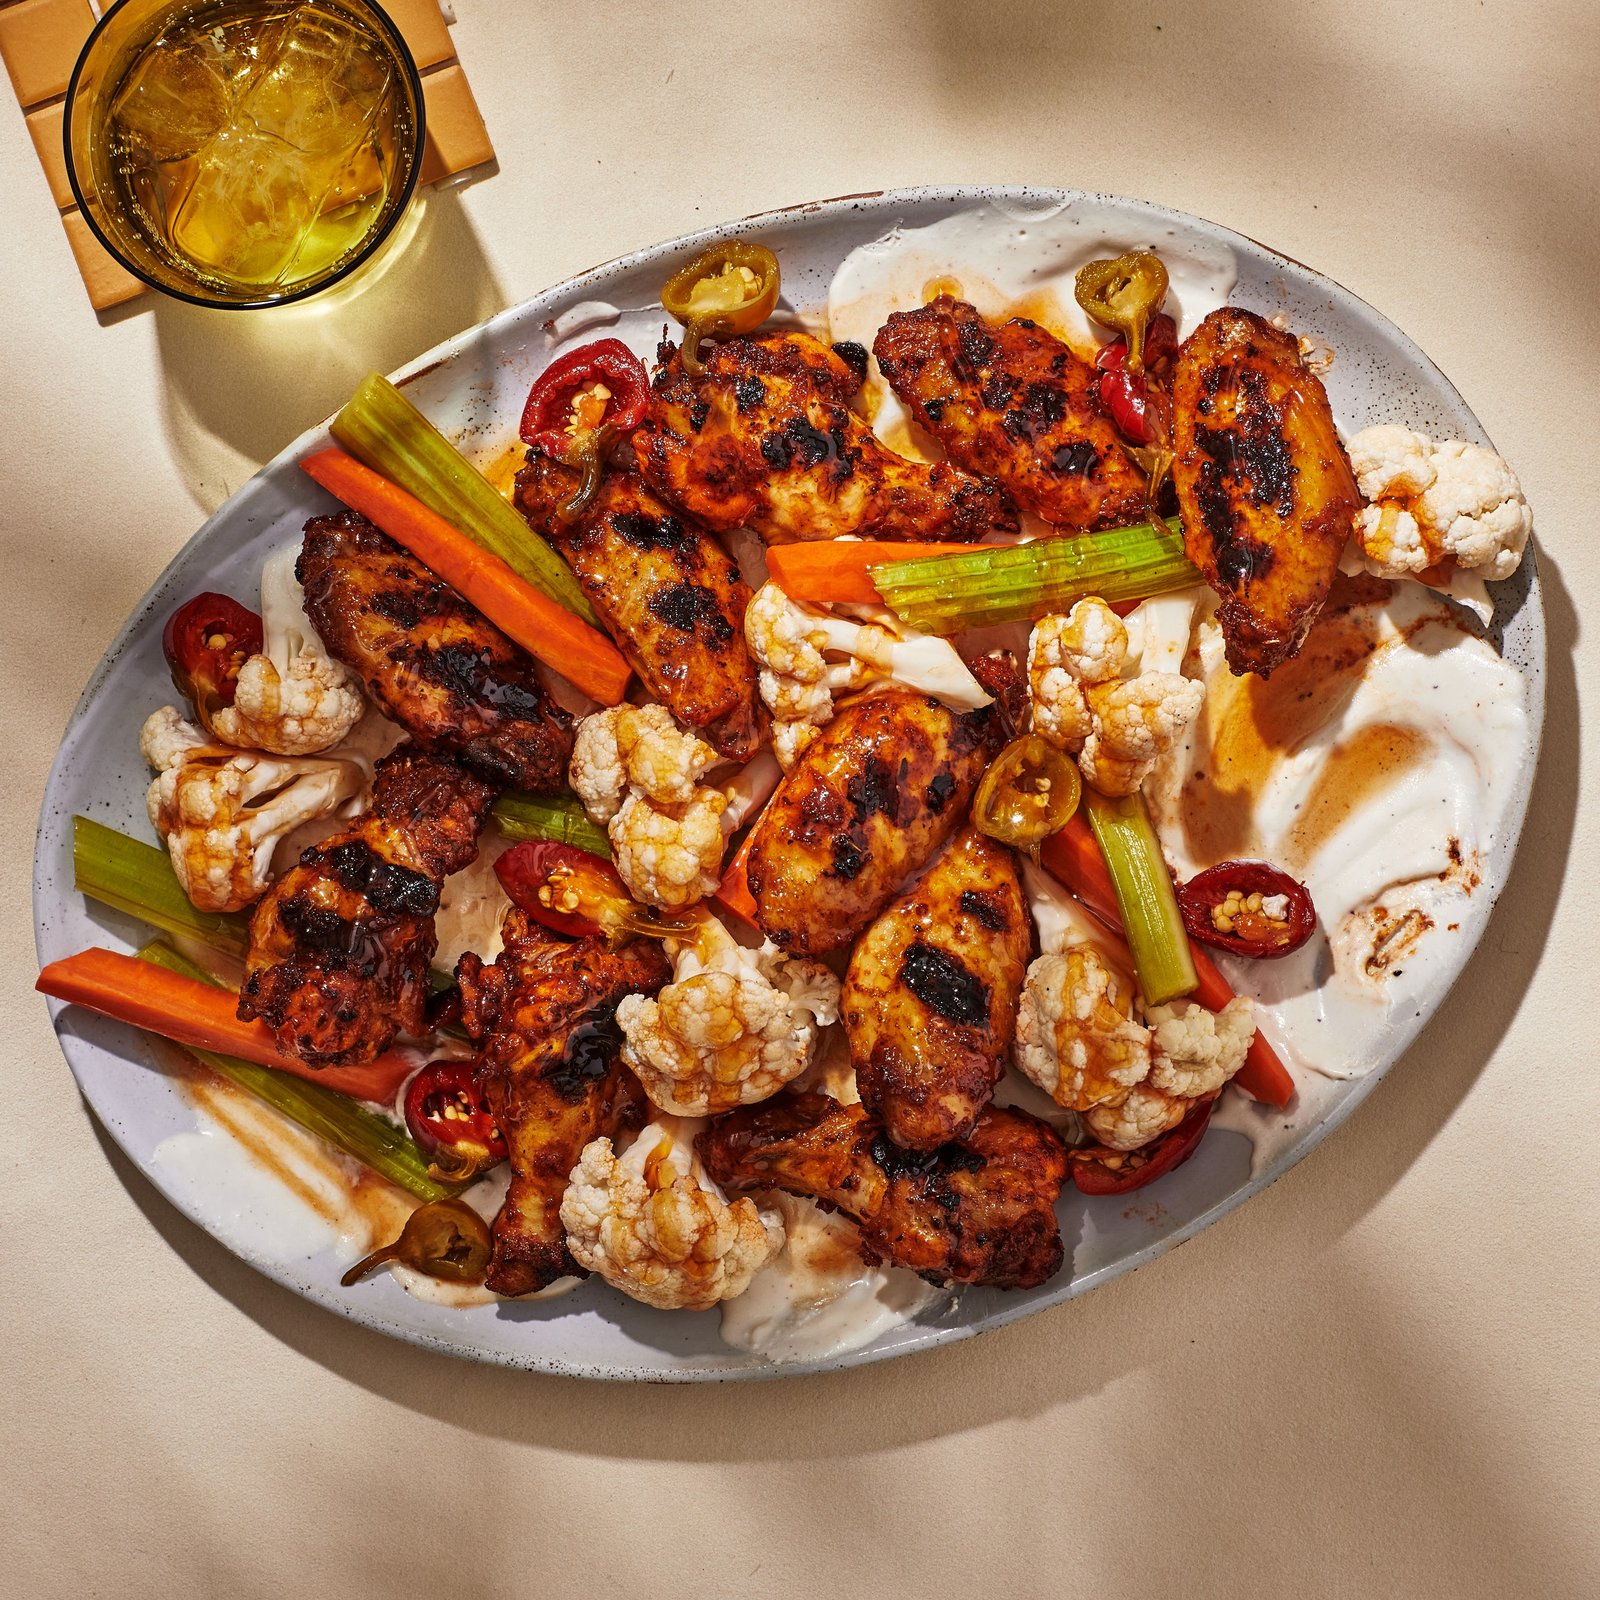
766	439
869	802
668	592
544	1016
1264	488
1014	403
930	999
431	661
341	945
978	1211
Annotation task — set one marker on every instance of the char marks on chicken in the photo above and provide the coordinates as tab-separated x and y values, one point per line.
766	439
1012	402
342	944
980	1210
544	1017
869	802
668	592
930	998
1265	490
431	661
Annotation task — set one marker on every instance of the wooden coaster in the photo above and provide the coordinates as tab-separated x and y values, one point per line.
40	41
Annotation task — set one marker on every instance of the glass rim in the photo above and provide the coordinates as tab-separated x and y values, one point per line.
402	53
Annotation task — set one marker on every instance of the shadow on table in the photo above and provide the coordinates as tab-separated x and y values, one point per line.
240	385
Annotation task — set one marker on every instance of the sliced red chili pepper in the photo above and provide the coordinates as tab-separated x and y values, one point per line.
1232	906
1097	1170
547	419
448	1116
567	418
206	641
1127	395
563	887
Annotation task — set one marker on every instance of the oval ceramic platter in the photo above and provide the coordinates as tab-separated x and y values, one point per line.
473	387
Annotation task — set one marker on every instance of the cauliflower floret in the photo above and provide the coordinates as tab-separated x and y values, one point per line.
653	1225
293	699
1081	1039
222	811
669	855
636	772
733	1027
1434	507
1118	728
791	641
1197	1051
1076	1037
637	747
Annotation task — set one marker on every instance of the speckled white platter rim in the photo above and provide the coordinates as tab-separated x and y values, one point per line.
473	386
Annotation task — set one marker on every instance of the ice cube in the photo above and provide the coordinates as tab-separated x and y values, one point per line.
173	99
322	88
253	200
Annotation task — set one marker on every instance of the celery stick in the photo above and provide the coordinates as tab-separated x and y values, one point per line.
528	816
381	428
1020	583
1157	939
137	879
346	1124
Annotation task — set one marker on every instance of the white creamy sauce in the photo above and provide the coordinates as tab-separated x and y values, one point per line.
472	906
1385	799
817	1298
251	1205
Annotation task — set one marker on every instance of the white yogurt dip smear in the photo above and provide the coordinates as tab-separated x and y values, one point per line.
817	1298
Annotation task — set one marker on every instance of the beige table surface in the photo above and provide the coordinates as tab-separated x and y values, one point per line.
1377	1379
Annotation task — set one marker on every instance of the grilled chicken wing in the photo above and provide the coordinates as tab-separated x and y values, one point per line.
544	1016
980	1211
873	797
930	999
766	439
668	592
1014	403
341	945
1265	491
432	662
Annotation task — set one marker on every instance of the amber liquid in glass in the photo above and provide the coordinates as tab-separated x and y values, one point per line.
255	142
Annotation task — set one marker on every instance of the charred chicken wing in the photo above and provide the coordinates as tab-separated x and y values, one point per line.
1012	402
1264	488
431	661
341	945
981	1210
930	999
668	593
869	802
544	1016
766	439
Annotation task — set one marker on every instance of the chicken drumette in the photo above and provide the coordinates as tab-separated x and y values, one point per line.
341	945
980	1211
766	439
1013	402
544	1016
432	662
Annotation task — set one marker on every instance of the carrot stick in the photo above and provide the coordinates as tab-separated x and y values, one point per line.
733	893
201	1017
835	570
542	627
1073	856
